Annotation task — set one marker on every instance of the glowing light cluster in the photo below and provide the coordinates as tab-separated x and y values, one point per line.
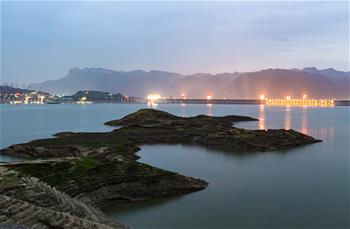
289	101
299	102
154	97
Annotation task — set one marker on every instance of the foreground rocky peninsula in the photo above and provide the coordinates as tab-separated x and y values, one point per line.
68	179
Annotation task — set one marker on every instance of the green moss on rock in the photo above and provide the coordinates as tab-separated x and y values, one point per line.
63	172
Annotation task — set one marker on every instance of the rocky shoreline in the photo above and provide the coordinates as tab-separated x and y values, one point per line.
72	176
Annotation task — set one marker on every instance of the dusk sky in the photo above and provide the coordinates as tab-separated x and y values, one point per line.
43	40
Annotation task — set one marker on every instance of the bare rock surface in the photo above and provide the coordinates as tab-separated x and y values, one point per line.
70	177
28	201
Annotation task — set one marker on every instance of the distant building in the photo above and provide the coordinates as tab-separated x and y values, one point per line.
13	95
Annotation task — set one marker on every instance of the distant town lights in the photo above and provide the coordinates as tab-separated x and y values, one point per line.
299	102
153	97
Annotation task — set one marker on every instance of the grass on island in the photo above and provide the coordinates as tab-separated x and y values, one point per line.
63	172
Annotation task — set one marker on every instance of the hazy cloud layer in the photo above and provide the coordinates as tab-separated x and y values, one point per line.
42	40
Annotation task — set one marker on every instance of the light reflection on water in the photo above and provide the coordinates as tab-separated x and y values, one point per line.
289	189
304	120
287	118
210	109
183	110
307	187
292	122
262	117
323	133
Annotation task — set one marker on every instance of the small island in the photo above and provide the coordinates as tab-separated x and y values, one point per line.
68	179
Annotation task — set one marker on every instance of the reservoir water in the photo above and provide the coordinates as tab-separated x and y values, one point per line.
306	187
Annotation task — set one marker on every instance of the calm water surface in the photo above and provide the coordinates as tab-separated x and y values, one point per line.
301	188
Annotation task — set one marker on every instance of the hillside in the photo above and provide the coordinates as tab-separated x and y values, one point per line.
13	90
278	83
331	73
96	96
274	83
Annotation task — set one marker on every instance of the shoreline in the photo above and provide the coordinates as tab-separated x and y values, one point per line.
84	165
336	102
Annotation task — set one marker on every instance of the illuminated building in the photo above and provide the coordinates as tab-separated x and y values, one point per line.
288	101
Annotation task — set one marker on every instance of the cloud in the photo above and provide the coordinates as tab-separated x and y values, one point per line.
41	40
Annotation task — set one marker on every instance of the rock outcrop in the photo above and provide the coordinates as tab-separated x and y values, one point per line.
75	174
103	183
28	201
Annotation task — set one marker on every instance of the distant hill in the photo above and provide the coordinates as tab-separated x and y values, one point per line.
137	83
331	73
96	96
274	83
13	90
277	83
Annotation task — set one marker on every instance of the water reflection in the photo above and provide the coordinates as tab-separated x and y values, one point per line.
287	118
5	158
183	109
245	190
262	117
152	105
325	133
304	121
210	110
126	208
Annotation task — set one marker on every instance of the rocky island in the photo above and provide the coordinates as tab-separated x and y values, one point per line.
66	180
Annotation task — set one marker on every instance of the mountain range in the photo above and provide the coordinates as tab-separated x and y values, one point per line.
273	83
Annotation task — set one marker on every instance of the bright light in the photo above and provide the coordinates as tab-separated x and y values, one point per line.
287	101
262	97
153	97
152	104
209	97
305	96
